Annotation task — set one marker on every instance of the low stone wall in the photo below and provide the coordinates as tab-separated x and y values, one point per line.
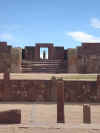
80	91
45	90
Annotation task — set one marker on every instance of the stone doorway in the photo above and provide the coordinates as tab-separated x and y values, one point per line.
49	50
43	53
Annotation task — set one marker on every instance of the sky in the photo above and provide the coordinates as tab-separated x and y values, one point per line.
65	23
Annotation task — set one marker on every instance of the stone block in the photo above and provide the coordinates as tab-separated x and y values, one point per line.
10	117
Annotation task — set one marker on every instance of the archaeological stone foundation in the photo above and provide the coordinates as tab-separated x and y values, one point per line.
46	90
84	59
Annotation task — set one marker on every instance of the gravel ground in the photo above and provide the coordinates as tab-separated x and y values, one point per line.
41	118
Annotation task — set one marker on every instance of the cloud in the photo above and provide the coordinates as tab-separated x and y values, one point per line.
95	23
6	37
83	37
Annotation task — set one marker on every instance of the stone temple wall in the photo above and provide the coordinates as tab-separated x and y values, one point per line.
72	61
89	58
16	60
10	58
59	52
45	90
5	57
84	59
80	91
29	53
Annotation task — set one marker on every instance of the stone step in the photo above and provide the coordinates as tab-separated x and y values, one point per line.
43	66
40	71
39	68
43	62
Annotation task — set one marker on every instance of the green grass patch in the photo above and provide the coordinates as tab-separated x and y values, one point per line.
90	77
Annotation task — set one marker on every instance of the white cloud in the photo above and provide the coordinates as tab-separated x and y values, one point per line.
83	37
95	22
6	37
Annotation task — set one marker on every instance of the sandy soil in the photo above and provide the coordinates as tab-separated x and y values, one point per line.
41	118
48	76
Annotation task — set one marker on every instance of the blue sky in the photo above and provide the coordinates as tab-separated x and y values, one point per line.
62	22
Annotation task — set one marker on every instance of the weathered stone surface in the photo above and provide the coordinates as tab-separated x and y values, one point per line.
60	101
29	53
10	117
88	58
83	59
16	60
10	58
53	91
86	114
80	91
72	61
98	87
45	90
5	57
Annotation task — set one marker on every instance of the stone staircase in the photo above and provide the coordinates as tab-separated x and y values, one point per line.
43	66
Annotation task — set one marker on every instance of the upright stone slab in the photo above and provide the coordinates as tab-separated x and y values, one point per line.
98	87
53	93
60	101
86	114
6	83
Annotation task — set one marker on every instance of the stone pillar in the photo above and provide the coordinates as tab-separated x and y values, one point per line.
86	114
98	87
37	52
60	101
51	52
53	93
6	83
